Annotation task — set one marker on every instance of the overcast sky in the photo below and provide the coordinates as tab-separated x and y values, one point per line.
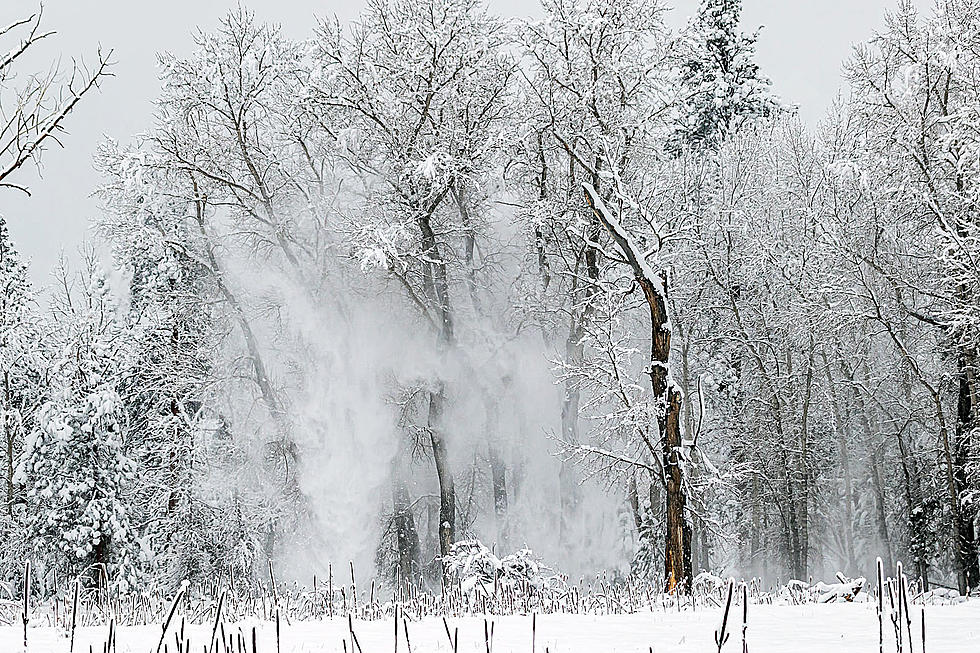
801	49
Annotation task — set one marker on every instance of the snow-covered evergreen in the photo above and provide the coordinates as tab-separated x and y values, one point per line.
76	469
721	84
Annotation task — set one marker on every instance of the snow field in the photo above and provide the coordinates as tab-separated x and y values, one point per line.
810	628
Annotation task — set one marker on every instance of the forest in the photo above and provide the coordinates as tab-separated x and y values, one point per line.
436	285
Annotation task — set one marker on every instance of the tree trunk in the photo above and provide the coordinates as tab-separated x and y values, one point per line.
447	489
842	431
436	282
666	396
677	554
8	434
173	462
791	522
965	512
407	567
881	515
804	550
498	476
915	508
568	487
966	543
755	541
633	497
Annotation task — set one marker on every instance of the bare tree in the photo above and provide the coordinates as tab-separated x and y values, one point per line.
35	106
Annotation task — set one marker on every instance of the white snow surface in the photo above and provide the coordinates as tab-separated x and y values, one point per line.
809	628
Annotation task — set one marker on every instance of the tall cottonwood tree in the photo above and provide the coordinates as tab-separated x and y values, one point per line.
169	240
423	92
592	82
667	396
254	173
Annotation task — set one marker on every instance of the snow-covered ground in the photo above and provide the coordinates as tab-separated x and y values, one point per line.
807	628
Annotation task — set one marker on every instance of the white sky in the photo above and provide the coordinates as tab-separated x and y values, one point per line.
801	49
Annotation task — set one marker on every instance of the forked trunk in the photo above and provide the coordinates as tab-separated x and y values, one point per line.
436	281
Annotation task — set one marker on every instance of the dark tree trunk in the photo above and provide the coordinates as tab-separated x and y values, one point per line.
842	429
805	482
791	521
966	544
447	489
407	567
755	540
964	512
436	281
498	475
174	463
881	514
677	553
8	434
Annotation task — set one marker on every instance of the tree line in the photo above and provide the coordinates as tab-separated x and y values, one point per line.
580	283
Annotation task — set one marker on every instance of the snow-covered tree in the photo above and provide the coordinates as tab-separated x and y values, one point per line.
913	115
600	82
595	81
722	84
233	171
76	470
22	387
423	92
17	349
171	398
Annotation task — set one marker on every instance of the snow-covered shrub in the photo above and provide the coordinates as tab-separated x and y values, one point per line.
847	591
941	596
521	566
476	568
472	564
707	583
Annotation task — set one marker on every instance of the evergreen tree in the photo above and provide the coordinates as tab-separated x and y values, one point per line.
720	79
75	469
170	409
